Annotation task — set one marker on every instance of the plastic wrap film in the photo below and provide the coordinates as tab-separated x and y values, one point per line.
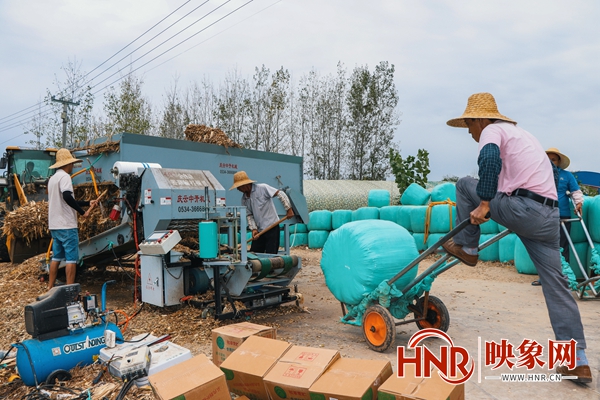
415	195
360	255
319	220
340	217
378	198
345	194
364	213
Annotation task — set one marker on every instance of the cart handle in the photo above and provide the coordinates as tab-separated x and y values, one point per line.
431	249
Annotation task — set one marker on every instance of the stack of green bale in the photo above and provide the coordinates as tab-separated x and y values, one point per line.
591	219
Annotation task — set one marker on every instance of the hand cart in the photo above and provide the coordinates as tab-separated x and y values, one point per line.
378	311
589	289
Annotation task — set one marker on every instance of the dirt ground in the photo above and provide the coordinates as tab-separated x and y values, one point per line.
488	302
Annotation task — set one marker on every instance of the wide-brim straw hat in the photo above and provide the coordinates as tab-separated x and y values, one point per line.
64	157
240	179
479	105
564	160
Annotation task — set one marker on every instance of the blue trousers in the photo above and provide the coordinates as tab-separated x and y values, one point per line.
538	227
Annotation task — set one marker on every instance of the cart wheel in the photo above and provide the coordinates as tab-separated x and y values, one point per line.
379	328
437	314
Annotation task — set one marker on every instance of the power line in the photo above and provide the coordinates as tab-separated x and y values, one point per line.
104	62
43	114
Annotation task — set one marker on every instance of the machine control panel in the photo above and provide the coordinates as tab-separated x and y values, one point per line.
160	242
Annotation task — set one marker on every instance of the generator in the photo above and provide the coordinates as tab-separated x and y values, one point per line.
177	203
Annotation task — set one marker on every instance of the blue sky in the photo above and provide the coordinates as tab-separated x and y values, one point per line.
539	59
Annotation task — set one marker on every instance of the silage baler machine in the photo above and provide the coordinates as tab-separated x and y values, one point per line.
172	204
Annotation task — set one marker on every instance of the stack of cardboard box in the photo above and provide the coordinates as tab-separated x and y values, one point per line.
264	368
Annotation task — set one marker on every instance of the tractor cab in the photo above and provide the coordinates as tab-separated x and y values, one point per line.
26	175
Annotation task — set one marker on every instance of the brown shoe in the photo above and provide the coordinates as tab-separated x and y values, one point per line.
457	251
583	373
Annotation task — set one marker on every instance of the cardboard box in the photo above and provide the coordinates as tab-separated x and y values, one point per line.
351	379
296	371
195	379
246	367
228	338
411	388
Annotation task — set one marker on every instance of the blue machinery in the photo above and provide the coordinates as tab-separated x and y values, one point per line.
178	203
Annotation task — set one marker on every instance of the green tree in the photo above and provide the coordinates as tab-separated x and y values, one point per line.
410	170
372	105
126	109
174	118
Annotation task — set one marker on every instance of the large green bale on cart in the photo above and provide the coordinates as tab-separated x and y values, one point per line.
360	255
593	217
340	217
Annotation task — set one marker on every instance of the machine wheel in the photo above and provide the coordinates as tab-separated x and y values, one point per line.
59	375
437	314
379	328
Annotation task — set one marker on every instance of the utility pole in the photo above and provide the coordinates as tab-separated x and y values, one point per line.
64	117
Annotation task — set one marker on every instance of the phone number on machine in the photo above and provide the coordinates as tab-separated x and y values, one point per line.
182	209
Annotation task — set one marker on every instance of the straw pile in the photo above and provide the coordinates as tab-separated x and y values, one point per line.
30	221
106	147
207	134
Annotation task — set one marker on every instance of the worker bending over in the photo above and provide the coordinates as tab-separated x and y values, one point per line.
258	199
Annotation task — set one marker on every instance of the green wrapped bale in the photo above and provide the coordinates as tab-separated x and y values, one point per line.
404	217
441	217
506	248
577	234
420	241
415	195
582	250
298	239
523	262
593	218
340	217
364	213
299	228
417	219
378	198
319	220
317	239
362	254
443	192
433	238
390	213
490	253
489	227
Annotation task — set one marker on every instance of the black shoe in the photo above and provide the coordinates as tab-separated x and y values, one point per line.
536	283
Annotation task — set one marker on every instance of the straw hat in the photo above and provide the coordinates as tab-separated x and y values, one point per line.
240	179
64	157
479	105
564	160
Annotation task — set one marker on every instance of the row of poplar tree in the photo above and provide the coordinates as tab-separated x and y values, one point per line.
342	124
